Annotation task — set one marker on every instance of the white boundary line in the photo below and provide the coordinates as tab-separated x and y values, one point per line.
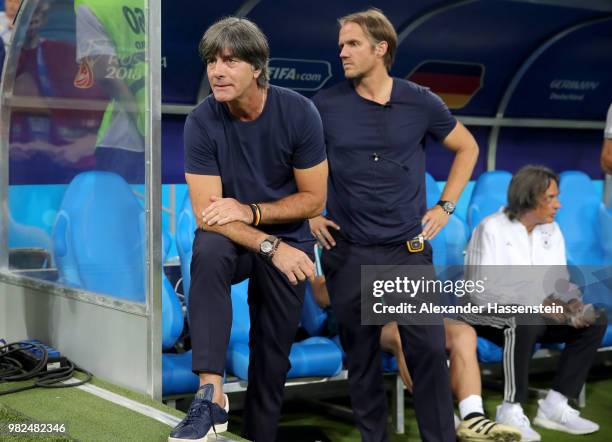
133	405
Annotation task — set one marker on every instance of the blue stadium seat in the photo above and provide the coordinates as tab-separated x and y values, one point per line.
31	210
449	245
172	310
177	377
587	228
98	242
185	232
489	195
432	191
35	204
313	317
605	221
488	352
315	356
607	339
241	322
98	237
25	236
584	220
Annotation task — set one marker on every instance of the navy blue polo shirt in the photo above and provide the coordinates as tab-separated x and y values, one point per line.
376	157
255	159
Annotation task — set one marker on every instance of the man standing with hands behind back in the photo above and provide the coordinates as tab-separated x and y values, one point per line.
256	169
374	130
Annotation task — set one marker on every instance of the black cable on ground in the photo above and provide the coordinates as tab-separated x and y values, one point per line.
12	368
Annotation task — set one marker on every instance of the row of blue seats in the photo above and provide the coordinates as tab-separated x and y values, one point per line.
96	250
98	246
448	246
584	220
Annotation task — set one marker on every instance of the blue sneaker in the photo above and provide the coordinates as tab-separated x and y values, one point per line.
204	417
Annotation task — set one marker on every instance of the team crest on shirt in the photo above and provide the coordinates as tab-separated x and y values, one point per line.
546	240
84	78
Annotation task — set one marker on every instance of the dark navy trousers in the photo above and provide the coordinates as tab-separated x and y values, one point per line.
519	342
423	345
274	308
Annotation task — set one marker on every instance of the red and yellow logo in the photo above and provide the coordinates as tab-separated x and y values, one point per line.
84	78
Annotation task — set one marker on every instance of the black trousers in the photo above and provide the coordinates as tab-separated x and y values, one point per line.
423	346
274	308
519	343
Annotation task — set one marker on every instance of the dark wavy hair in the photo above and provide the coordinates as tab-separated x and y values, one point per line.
526	188
243	39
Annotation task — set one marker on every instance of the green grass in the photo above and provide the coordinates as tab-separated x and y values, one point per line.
89	418
86	417
8	416
598	409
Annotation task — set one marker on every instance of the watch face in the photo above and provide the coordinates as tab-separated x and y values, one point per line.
449	207
266	247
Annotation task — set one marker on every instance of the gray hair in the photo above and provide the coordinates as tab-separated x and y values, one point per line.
526	188
243	39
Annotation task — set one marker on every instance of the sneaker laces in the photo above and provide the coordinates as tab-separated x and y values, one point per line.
566	413
195	412
520	420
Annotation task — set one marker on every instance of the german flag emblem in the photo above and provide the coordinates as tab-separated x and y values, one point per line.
456	83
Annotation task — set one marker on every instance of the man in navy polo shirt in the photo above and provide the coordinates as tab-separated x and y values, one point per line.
256	169
374	130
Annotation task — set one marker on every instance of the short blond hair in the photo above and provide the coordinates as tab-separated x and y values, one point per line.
377	28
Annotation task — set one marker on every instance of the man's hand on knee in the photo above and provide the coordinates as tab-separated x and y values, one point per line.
293	263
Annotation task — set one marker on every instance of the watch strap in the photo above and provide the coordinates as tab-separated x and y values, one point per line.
445	206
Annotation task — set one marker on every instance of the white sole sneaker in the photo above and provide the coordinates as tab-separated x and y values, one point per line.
530	439
221	428
552	425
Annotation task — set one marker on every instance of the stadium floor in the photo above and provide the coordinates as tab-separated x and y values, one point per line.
89	418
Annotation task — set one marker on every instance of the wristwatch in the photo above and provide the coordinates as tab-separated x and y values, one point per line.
447	206
268	246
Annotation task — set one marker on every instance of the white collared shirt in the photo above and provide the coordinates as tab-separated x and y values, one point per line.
498	241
